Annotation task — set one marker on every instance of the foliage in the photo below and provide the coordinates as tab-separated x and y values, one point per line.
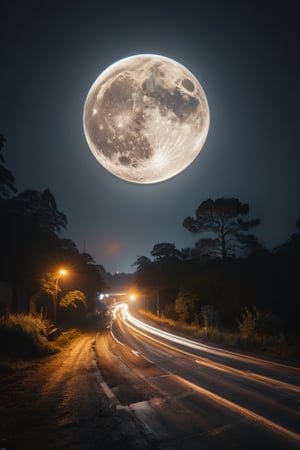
257	324
28	239
142	263
42	209
205	248
169	311
72	298
165	250
209	316
23	335
7	182
278	344
144	273
48	283
223	219
185	306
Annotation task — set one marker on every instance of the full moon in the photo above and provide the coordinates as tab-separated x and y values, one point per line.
146	118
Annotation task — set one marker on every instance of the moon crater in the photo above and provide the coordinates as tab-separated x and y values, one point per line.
146	118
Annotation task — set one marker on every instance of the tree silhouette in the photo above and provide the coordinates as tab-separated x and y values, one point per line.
7	182
142	263
40	207
295	237
165	250
223	219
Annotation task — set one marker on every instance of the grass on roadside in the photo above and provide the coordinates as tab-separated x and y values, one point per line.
23	336
23	339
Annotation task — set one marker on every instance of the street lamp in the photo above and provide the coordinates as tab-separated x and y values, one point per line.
61	272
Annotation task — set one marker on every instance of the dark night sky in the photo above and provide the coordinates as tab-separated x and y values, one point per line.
245	55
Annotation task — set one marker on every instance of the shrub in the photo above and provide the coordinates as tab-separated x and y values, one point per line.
23	336
257	325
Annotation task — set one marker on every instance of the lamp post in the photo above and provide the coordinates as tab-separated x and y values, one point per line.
61	273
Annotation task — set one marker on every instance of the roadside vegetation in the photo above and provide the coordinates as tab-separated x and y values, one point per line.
24	340
24	336
252	334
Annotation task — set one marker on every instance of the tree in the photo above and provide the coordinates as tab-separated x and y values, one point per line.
73	309
29	242
145	278
49	285
72	298
223	219
284	279
258	324
165	250
209	316
294	240
185	305
142	263
167	267
7	182
41	207
204	248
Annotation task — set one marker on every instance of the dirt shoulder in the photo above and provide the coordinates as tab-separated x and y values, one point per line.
57	403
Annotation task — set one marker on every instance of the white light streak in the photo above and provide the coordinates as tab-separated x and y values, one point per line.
144	328
166	335
242	410
210	350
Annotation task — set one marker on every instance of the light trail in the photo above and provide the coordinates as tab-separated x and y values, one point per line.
248	375
195	345
165	334
144	329
241	410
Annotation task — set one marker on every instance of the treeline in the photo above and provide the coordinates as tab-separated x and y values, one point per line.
32	252
228	275
228	280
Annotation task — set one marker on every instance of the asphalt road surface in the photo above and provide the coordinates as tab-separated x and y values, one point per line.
161	393
193	396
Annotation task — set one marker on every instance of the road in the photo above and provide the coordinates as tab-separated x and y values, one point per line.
194	396
57	403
